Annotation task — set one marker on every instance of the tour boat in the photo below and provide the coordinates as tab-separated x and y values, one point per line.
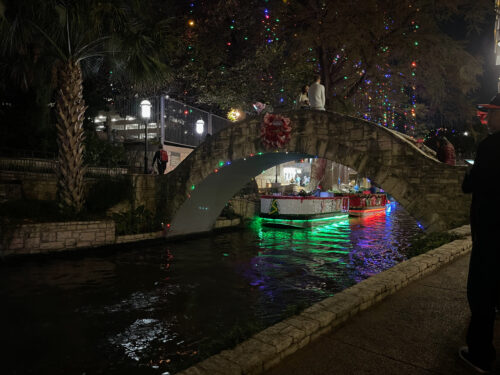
302	212
366	204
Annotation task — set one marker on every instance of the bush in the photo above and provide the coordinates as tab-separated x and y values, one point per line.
101	153
31	210
424	242
135	221
107	192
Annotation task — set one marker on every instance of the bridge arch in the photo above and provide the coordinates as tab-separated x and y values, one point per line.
201	185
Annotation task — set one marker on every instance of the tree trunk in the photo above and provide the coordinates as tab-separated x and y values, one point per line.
70	111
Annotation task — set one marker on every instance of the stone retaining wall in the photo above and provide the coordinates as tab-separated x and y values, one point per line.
47	237
53	237
226	223
246	207
269	347
138	237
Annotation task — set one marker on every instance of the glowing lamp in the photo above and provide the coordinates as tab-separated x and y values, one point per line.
233	115
200	125
145	109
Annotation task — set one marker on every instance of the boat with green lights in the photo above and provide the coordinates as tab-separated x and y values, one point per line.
302	211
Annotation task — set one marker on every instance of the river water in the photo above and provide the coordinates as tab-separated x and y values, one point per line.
151	309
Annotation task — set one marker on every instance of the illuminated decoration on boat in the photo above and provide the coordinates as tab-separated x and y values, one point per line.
329	218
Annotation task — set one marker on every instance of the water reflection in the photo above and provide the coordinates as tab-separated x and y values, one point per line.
161	308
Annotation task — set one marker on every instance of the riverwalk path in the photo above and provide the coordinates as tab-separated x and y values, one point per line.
415	331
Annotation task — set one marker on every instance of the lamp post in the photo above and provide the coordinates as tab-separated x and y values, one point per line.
497	38
146	114
200	127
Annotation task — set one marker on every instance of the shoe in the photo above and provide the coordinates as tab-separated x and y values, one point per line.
464	354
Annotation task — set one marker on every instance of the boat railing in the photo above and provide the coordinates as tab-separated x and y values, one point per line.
367	200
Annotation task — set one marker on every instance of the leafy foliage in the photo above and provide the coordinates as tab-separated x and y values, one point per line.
99	152
358	53
139	220
425	242
66	34
107	192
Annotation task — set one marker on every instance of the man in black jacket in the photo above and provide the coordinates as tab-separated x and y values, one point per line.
161	159
484	269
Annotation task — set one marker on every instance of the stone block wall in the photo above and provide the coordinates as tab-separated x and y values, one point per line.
247	208
29	185
429	190
139	237
47	237
45	189
145	188
226	223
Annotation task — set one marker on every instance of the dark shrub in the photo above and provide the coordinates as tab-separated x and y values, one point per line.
107	192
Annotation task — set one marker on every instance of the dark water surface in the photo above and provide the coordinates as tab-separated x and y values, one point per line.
156	309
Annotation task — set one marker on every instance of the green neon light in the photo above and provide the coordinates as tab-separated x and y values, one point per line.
331	240
308	220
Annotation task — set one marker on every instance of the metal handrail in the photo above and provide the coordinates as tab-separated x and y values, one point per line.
38	165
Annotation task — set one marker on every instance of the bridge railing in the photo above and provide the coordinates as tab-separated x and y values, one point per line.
171	120
49	166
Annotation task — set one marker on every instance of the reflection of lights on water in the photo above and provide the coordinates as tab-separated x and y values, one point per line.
141	336
327	258
333	236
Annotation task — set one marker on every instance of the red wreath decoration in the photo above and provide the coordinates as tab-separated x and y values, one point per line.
275	131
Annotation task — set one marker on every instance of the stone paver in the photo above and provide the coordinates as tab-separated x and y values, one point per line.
415	331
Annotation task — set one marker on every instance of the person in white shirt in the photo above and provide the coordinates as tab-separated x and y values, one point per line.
317	94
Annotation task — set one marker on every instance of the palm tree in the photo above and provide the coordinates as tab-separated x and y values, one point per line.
73	33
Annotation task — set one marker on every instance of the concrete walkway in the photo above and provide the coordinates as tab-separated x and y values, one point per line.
415	331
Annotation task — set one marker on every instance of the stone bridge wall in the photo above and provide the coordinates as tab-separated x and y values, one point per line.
429	190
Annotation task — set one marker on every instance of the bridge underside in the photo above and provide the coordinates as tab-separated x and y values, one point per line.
199	213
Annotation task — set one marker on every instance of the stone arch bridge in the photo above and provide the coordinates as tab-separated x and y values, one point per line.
198	189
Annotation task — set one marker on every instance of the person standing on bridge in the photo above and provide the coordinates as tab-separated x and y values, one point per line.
483	281
445	151
302	101
161	158
317	94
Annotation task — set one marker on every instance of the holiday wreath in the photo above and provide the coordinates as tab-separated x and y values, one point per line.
275	131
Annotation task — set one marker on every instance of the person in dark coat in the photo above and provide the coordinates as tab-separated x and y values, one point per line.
161	159
445	152
484	269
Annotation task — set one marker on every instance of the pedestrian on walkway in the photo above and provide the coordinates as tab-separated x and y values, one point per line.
317	94
161	159
445	151
484	275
